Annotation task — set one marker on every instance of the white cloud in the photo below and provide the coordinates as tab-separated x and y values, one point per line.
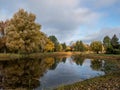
61	18
101	34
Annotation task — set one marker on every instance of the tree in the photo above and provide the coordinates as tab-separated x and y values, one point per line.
59	48
115	45
72	45
79	46
115	42
2	43
82	47
49	46
22	33
96	46
107	44
55	41
86	47
3	36
106	41
45	43
64	46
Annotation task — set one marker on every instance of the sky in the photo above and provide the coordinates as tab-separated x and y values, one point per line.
70	20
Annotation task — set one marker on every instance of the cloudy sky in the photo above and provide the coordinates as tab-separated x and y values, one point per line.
70	20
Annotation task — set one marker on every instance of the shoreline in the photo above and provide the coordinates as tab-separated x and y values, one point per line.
106	82
110	80
12	56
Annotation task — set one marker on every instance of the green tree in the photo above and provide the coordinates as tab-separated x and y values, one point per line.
76	46
64	46
22	33
106	41
79	46
115	44
107	44
55	41
96	46
59	48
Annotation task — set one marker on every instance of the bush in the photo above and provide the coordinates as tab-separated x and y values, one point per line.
116	51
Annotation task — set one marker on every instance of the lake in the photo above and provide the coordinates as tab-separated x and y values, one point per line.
49	72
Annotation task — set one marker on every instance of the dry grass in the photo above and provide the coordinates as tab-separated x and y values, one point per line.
107	82
9	56
102	56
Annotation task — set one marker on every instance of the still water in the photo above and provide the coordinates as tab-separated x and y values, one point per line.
47	73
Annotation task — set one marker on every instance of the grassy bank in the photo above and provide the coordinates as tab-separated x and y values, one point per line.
101	56
107	82
50	54
110	81
10	56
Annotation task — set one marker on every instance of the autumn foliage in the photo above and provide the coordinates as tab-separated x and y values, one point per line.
21	34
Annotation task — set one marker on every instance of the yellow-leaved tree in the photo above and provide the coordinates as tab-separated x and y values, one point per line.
49	46
23	34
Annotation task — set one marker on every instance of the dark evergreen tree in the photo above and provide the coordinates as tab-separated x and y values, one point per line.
107	44
115	44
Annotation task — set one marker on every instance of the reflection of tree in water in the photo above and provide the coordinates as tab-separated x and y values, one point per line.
78	60
111	66
23	73
64	59
96	64
56	62
107	66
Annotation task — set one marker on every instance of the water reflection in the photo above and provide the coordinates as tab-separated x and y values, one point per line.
68	71
78	60
48	72
97	64
23	73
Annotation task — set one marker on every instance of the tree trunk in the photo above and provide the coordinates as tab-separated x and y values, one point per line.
4	49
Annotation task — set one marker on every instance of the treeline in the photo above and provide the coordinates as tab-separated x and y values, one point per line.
112	45
108	46
21	34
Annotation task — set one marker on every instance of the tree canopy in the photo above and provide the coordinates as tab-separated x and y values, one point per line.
96	46
56	42
23	34
112	46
